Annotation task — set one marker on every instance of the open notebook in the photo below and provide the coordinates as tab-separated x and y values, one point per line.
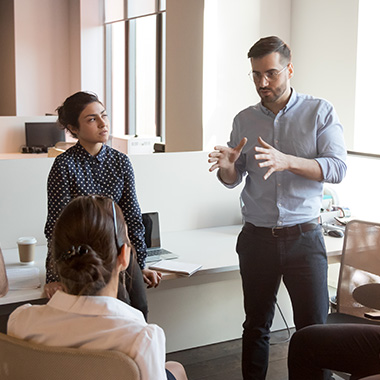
179	267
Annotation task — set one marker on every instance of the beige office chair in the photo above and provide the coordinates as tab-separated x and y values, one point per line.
20	359
360	266
3	277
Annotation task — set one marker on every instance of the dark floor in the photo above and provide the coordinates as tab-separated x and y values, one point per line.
221	361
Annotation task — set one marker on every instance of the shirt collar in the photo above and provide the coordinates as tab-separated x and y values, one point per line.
100	157
92	305
292	100
289	104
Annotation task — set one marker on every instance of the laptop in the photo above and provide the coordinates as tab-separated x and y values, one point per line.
41	136
153	239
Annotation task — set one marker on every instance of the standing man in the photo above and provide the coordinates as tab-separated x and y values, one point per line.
286	147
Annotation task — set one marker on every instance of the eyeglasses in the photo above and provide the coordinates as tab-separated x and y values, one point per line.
270	75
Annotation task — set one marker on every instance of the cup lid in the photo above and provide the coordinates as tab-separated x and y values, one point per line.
26	240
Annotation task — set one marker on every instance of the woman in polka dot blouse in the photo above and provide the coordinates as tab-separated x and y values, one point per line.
92	167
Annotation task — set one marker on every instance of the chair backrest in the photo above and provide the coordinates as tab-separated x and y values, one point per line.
3	277
360	264
20	359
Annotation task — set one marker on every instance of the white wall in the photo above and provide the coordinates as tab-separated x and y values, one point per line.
230	31
186	194
23	199
92	56
324	45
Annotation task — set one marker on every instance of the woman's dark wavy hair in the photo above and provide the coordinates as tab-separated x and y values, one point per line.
268	45
85	246
69	111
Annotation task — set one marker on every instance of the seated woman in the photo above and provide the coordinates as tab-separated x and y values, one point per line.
91	247
349	348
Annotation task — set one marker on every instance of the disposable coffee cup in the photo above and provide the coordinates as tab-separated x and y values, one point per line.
26	249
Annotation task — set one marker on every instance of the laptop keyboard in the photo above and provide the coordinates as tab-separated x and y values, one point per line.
158	254
155	252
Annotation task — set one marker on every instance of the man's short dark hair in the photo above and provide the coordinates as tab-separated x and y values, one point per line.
268	45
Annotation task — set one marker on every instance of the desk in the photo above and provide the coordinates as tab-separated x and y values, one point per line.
214	248
11	259
202	309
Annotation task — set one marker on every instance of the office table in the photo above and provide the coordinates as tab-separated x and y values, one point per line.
180	298
214	248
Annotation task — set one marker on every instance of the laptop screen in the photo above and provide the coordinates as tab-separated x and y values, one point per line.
152	229
44	134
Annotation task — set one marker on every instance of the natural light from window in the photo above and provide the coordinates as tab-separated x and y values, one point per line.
367	126
118	78
146	76
135	67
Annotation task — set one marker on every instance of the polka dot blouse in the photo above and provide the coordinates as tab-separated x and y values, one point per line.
109	173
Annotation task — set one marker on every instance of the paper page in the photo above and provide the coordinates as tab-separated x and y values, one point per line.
176	266
23	278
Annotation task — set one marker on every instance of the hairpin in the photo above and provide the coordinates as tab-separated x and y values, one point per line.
80	250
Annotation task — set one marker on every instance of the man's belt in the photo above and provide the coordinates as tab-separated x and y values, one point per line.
293	231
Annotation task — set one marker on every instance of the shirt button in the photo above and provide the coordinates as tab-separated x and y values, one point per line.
279	205
279	223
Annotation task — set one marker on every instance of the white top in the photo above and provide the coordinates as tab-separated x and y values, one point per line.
97	322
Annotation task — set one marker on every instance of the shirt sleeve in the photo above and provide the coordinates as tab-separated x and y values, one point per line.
132	213
332	151
58	196
15	325
149	353
240	163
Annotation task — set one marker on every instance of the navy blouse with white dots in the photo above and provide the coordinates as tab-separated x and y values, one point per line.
76	172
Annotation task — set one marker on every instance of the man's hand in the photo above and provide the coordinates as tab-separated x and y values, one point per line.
278	162
272	158
51	288
151	277
224	158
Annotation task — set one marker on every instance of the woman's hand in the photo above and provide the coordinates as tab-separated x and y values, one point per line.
51	288
151	277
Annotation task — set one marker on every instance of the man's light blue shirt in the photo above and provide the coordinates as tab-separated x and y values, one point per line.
306	127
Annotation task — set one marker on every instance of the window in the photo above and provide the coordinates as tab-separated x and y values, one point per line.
367	125
134	65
